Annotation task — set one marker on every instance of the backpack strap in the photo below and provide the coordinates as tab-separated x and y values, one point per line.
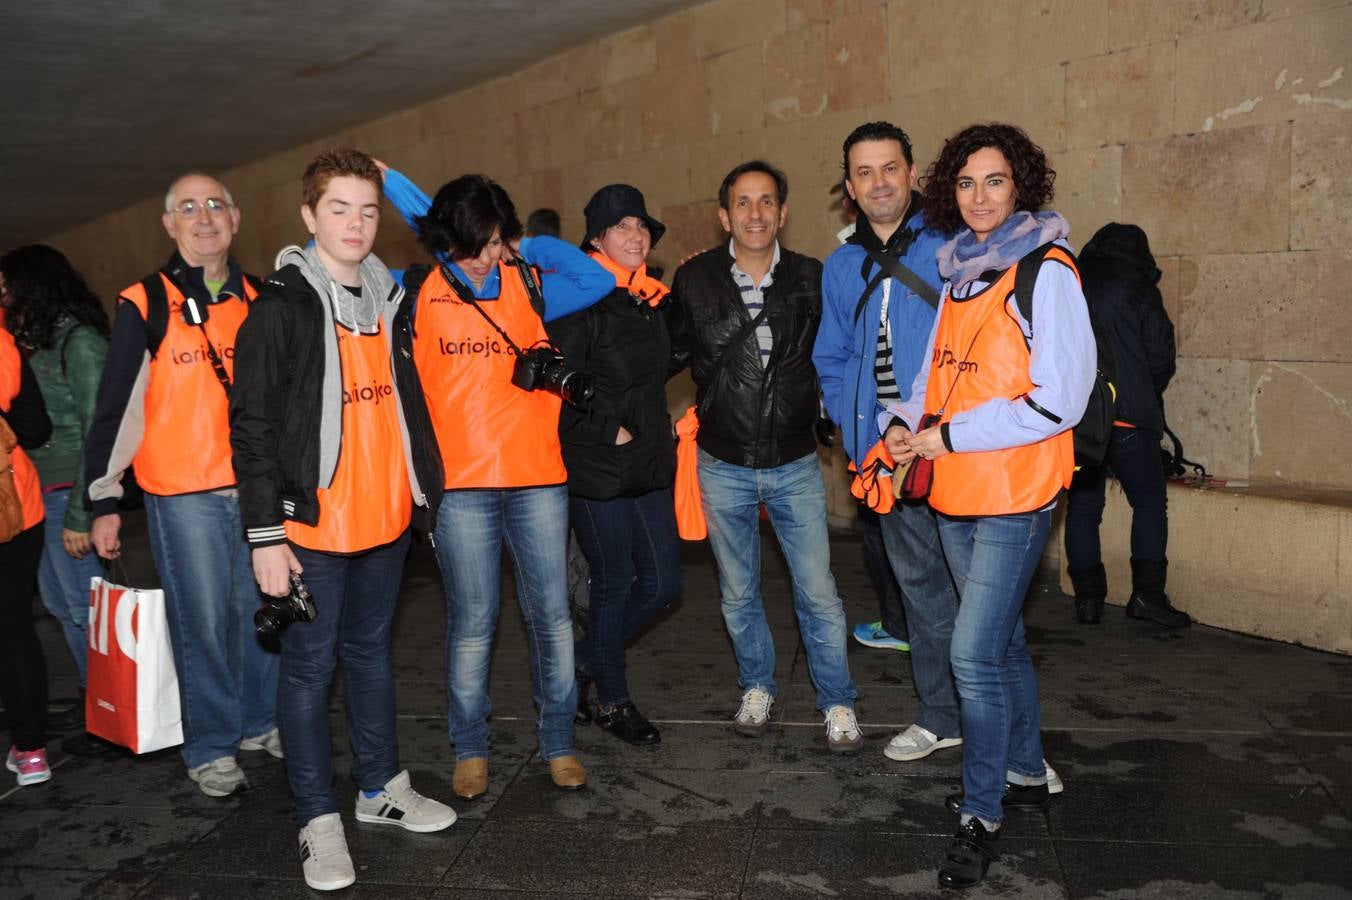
157	311
414	278
1025	279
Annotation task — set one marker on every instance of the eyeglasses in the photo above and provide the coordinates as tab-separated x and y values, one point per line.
213	205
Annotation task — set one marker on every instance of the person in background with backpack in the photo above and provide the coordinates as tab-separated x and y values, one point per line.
162	407
55	317
1120	280
23	669
990	418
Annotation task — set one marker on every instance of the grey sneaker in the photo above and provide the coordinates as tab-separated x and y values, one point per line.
917	743
271	742
754	715
398	804
842	730
220	777
323	854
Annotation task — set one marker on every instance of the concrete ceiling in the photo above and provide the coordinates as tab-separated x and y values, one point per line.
104	100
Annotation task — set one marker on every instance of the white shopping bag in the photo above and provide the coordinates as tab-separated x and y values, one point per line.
132	695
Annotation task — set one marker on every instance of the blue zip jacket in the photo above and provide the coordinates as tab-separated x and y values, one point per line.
846	346
569	279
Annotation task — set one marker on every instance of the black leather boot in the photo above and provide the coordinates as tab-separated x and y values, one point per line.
1148	599
628	724
1091	587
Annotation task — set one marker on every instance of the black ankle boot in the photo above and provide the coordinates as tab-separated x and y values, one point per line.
628	724
583	716
969	856
1148	599
1017	797
1091	587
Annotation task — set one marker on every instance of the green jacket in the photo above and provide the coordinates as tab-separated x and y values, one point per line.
68	375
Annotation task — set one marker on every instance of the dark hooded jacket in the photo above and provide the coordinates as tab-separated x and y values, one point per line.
1119	277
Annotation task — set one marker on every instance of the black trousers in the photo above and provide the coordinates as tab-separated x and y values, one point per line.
890	609
23	670
1134	458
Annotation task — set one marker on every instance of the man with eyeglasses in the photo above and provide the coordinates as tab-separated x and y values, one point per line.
162	408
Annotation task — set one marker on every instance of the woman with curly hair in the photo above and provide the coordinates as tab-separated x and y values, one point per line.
992	417
54	316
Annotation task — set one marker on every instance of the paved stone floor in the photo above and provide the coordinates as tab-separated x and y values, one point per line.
1197	764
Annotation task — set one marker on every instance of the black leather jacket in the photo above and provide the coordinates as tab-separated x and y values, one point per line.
750	415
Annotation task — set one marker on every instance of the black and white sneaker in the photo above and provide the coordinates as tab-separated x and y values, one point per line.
398	804
323	854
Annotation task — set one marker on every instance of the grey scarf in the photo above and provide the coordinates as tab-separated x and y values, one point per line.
963	259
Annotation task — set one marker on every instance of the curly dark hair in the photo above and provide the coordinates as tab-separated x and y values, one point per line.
1033	178
43	289
463	215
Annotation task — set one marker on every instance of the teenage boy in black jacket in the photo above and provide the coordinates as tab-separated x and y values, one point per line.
330	448
744	319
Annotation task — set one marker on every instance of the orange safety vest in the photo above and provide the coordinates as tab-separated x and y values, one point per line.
492	434
368	503
26	482
990	482
185	447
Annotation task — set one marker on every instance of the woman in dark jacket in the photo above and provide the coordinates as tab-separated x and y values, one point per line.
60	323
1120	277
620	454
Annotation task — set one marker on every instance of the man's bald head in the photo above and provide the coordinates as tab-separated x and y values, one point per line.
201	217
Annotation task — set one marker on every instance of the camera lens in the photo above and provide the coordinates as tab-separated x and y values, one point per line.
269	620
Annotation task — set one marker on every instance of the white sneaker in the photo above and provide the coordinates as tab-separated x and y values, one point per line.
1054	783
271	742
220	777
842	730
398	804
917	743
323	854
754	715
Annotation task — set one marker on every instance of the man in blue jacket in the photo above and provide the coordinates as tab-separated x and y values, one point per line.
880	290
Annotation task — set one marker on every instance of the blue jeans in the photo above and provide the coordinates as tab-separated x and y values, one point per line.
1134	457
227	681
993	559
795	497
63	581
354	597
634	553
471	527
911	536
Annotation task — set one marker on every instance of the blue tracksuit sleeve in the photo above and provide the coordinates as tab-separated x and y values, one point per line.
831	352
406	196
569	278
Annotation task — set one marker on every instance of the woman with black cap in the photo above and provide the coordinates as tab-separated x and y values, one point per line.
620	455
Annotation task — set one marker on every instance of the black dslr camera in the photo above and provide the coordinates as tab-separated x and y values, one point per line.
543	369
277	613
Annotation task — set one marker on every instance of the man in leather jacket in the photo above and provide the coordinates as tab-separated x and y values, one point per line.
744	319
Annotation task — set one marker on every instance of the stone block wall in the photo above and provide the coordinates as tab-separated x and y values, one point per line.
1221	126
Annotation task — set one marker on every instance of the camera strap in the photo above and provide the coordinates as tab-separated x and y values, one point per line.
466	296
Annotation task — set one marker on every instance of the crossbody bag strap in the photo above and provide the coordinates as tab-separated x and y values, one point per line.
734	344
894	267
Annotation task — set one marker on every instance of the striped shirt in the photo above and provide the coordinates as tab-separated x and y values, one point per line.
753	295
883	373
